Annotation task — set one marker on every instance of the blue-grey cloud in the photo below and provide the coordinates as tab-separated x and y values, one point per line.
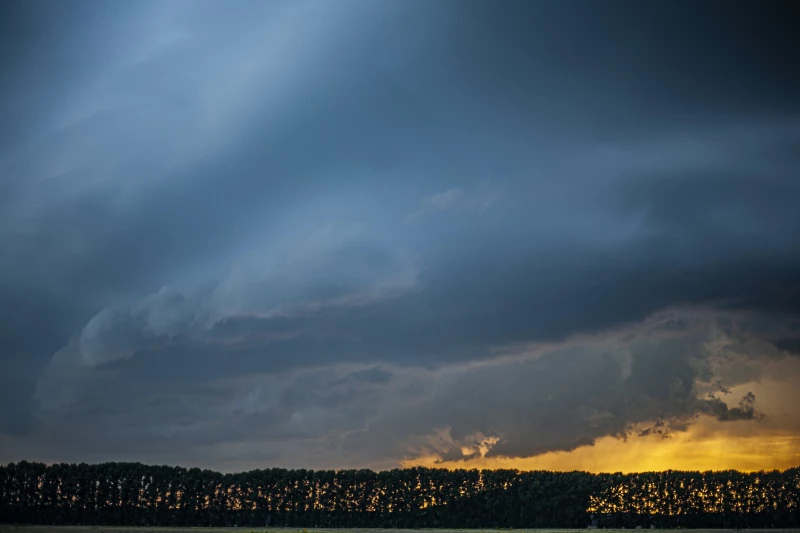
203	206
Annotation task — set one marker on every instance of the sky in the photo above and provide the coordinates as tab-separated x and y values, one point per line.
311	234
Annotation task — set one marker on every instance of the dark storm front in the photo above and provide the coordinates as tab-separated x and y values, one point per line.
133	494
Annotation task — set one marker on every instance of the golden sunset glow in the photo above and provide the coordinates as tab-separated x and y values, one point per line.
692	450
708	444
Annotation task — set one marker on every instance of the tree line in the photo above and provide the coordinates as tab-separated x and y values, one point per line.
133	494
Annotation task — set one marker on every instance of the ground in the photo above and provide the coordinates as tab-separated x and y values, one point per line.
104	529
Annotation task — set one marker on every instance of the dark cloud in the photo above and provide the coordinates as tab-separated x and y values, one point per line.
790	345
719	410
569	398
340	223
529	401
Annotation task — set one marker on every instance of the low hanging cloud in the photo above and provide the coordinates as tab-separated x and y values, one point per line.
566	397
660	374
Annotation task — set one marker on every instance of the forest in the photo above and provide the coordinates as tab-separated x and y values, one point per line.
133	494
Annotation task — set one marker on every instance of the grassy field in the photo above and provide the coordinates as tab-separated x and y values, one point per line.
103	529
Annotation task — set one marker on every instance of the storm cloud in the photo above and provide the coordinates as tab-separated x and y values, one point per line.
345	234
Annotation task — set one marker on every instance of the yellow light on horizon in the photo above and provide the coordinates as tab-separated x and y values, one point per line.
704	446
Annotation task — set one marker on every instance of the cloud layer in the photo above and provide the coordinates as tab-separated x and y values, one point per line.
351	234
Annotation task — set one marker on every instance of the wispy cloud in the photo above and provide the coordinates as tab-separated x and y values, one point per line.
460	200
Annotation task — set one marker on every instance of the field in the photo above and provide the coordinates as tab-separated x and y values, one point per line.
102	529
